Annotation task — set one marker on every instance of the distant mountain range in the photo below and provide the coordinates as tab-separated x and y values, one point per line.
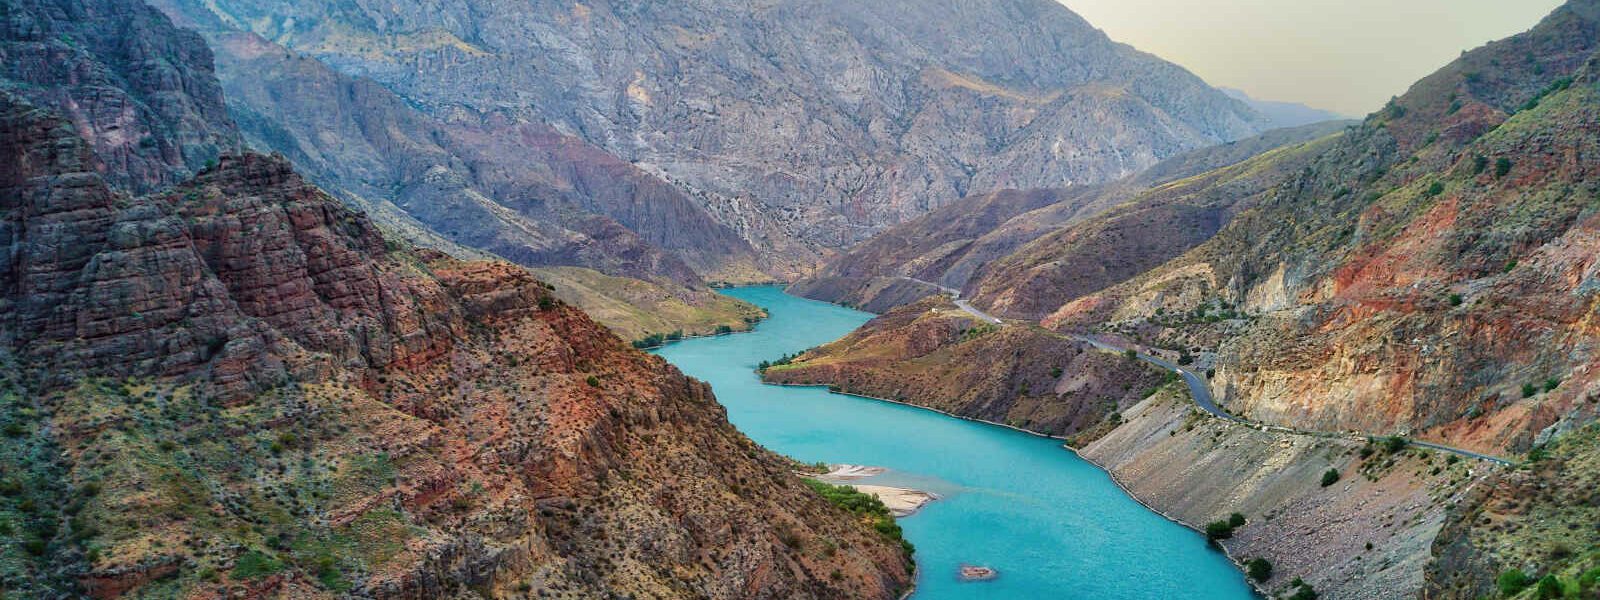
1284	114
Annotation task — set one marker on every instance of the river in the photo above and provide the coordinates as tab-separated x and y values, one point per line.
1054	525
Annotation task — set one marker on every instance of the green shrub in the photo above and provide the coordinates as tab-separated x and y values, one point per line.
1502	166
1589	579
254	564
1455	299
1394	443
1236	520
863	505
1258	569
1330	477
1513	582
1435	189
1528	390
593	381
1551	384
1549	587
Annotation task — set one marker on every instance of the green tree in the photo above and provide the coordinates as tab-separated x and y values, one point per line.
1258	569
1236	520
1218	530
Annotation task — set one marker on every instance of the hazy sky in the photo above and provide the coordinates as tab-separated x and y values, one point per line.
1348	56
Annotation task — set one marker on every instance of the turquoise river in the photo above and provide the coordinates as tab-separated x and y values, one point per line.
1054	525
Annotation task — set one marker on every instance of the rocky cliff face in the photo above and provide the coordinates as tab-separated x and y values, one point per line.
986	244
139	90
1431	272
804	126
241	388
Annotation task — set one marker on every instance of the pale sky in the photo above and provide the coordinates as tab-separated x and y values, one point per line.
1348	56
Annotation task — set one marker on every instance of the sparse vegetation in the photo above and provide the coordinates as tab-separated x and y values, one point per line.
868	507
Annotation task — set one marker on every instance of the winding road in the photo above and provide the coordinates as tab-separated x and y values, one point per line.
1198	388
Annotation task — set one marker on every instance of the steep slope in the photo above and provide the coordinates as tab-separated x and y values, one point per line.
240	388
805	126
514	188
1433	272
932	354
952	244
138	89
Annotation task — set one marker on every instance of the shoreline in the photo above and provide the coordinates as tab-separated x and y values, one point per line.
919	406
916	573
1237	563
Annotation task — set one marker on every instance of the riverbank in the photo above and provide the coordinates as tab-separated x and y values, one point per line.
830	390
901	502
1012	502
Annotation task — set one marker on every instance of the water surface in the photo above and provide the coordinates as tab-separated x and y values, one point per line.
1054	525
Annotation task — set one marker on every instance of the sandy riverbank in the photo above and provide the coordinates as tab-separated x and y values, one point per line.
901	502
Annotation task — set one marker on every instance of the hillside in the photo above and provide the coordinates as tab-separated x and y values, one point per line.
1419	273
803	126
236	386
932	354
955	244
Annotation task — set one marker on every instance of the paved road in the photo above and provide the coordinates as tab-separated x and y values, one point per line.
1201	392
1198	389
955	296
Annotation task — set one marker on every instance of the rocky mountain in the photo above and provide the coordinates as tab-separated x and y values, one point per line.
1439	243
511	187
803	126
1284	114
956	243
245	389
1428	274
236	386
142	93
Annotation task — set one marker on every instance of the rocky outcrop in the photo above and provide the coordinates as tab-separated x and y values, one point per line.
803	126
255	394
138	89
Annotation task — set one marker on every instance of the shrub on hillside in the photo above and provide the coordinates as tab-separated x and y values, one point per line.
1330	477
